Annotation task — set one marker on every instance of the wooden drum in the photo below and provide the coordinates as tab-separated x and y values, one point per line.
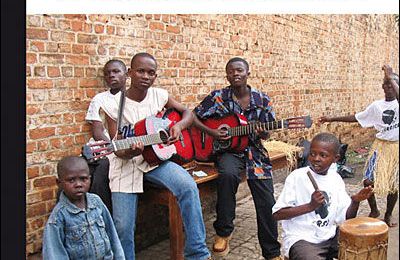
363	238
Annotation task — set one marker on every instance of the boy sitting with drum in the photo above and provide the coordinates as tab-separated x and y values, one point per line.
314	202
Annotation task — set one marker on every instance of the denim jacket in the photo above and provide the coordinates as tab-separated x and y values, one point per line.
75	233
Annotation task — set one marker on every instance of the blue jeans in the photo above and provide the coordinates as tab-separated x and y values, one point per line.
181	184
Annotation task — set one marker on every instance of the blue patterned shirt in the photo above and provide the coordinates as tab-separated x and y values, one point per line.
220	103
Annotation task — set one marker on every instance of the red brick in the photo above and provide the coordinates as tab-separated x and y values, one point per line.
32	109
51	58
32	172
39	83
66	130
36	210
46	181
78	72
64	48
98	28
55	143
43	145
87	83
37	34
67	71
48	170
81	139
39	71
91	72
47	194
87	38
77	48
31	58
156	26
77	60
36	223
62	36
41	132
173	29
53	72
75	16
37	46
110	29
76	25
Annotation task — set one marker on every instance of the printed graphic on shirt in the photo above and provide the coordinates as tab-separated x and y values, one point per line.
388	116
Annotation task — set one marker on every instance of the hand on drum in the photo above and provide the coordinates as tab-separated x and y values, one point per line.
363	194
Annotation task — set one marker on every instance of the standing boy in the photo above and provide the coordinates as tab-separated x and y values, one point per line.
382	167
80	226
310	217
115	75
241	98
128	167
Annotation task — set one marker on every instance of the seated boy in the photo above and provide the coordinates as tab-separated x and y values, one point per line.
80	226
308	233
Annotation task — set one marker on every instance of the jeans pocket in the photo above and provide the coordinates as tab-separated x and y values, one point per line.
75	242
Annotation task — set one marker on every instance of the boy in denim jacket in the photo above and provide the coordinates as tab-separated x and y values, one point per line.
80	226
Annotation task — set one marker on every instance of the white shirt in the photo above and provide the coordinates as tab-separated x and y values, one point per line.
93	112
297	191
127	175
384	117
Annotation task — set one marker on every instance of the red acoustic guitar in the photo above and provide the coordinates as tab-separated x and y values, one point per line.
153	132
206	147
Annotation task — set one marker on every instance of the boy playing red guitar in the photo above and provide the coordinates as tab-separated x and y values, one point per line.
240	98
127	166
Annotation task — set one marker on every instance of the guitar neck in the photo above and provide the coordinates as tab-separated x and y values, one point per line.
145	139
251	128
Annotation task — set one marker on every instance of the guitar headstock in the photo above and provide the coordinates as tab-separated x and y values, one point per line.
298	122
96	150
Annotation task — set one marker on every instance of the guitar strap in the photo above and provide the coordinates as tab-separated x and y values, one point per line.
120	112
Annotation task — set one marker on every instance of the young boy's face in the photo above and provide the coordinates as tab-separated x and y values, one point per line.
143	72
322	155
75	181
237	74
115	75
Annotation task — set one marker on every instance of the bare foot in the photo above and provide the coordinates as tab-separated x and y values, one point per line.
388	221
374	214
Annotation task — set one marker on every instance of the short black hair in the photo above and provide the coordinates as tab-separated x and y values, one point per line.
235	59
143	54
328	138
116	61
65	163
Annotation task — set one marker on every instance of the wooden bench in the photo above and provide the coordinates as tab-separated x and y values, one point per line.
165	197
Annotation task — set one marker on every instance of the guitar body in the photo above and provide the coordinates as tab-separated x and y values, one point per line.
206	147
180	152
184	147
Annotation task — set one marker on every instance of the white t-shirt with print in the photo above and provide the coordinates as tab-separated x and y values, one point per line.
297	191
127	175
384	117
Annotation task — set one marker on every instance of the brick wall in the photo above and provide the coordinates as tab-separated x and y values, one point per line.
308	64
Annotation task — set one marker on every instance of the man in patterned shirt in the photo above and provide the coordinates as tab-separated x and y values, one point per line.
242	99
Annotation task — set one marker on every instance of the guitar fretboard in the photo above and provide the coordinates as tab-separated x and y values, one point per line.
251	128
145	139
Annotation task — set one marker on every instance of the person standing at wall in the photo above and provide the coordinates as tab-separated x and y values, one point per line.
115	75
241	98
382	167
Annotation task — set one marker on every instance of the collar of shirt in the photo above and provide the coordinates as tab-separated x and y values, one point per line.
71	207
